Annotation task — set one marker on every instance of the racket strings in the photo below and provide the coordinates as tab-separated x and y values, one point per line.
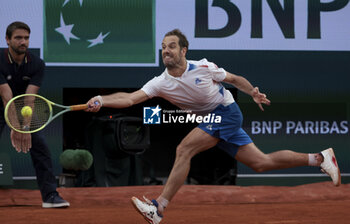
28	121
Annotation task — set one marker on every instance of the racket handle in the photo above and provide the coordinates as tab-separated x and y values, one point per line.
79	107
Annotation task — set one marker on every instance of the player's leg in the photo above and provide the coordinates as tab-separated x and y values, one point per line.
195	142
251	156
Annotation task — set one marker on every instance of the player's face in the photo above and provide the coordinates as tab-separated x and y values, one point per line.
171	52
19	41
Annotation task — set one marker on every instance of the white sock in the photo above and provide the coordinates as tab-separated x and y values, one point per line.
312	160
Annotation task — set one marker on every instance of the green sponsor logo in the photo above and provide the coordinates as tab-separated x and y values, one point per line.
99	31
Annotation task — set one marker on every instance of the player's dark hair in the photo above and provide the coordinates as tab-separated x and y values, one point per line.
14	26
183	42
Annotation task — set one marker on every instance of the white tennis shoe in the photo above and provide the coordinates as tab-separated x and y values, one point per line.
147	209
330	166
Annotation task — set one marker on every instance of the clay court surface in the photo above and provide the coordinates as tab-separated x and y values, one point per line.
312	203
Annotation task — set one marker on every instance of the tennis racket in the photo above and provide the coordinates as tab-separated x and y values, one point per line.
28	113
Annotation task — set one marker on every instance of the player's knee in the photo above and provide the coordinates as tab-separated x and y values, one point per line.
260	166
183	152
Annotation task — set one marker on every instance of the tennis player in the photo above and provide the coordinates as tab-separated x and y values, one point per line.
196	86
22	72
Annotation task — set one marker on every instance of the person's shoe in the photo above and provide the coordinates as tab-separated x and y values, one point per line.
55	201
148	209
330	166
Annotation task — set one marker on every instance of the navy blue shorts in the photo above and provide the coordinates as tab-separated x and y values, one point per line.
229	131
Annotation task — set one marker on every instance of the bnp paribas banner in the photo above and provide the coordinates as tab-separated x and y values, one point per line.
99	31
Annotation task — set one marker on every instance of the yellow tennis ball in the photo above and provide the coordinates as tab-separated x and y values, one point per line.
26	111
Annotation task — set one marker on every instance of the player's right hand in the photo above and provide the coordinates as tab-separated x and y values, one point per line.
94	104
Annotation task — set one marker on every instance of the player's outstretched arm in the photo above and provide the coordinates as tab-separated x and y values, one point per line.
245	86
117	100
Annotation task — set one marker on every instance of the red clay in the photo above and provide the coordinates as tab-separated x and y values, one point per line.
319	203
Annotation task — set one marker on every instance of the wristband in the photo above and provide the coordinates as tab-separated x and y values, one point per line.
25	127
99	98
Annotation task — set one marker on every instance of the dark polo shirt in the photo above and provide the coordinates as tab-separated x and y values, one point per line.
18	77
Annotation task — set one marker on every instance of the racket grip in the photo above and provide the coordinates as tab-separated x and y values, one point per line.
79	107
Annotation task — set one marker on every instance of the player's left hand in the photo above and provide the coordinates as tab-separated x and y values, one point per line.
260	98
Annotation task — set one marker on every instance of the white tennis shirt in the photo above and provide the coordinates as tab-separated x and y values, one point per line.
198	89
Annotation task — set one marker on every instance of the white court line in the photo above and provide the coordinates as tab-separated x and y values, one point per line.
24	178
